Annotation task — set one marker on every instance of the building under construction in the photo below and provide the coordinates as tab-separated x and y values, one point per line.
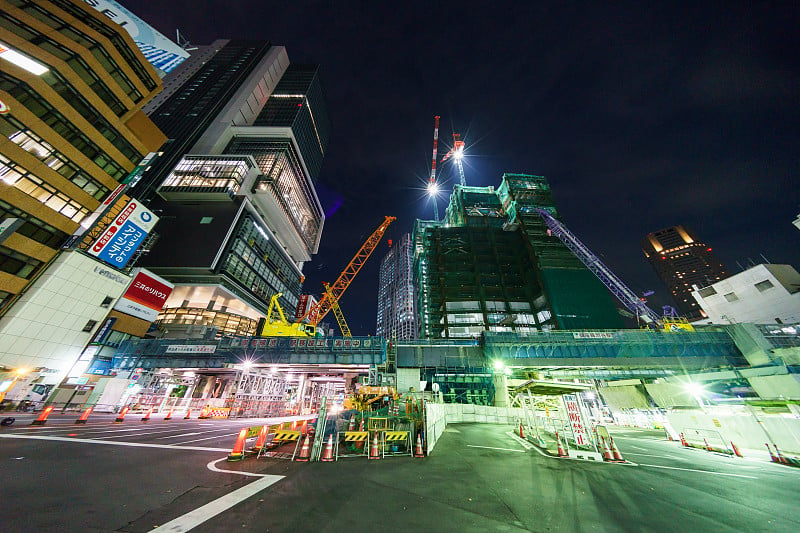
492	265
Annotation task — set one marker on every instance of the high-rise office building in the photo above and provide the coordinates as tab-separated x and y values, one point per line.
681	260
72	87
397	310
239	212
492	265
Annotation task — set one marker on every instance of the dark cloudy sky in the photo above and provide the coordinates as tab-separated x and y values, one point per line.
642	115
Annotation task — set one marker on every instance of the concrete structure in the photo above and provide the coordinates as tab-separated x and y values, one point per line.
681	260
763	294
397	309
248	134
72	88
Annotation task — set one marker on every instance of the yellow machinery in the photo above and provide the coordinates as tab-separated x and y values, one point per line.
676	323
276	324
366	398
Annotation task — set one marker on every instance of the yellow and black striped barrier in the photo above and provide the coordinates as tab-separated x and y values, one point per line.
352	437
401	439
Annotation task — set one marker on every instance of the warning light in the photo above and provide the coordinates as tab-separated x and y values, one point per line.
708	250
390	243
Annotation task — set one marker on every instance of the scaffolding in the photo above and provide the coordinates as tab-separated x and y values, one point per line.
257	394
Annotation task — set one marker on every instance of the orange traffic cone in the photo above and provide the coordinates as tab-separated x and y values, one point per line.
606	451
561	452
683	441
781	459
352	425
771	456
304	451
418	448
262	438
707	446
169	415
373	451
146	417
42	420
84	416
615	451
122	414
188	414
521	433
736	451
237	454
328	455
668	434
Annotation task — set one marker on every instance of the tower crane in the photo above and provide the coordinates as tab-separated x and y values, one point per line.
457	153
433	187
306	325
337	312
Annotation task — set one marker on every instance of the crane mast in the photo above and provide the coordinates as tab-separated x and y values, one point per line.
457	153
626	296
432	179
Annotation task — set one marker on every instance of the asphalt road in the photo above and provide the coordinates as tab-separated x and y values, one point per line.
162	476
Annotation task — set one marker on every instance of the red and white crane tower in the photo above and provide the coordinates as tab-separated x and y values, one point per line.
433	187
457	153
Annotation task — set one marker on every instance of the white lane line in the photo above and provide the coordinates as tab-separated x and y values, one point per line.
181	435
207	438
491	448
522	442
700	471
638	448
213	467
114	443
137	434
651	455
194	518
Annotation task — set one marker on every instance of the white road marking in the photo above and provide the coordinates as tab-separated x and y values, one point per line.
651	455
181	435
194	518
114	443
638	448
207	438
491	448
213	467
700	471
138	434
522	442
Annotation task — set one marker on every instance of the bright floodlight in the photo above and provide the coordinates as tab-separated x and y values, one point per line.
695	389
433	188
247	364
458	154
499	365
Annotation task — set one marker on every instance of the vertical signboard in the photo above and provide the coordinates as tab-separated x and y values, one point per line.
124	235
145	296
575	419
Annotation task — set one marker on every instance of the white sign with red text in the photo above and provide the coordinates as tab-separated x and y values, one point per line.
145	296
575	419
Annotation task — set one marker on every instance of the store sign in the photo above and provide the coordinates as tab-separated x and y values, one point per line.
145	296
123	237
4	108
192	348
592	335
575	419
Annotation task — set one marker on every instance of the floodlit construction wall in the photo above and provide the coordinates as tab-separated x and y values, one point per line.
624	397
670	395
786	386
742	428
438	415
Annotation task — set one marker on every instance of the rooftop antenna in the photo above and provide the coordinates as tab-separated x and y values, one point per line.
183	42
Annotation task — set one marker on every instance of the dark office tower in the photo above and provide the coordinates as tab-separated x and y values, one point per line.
239	213
492	265
681	260
397	312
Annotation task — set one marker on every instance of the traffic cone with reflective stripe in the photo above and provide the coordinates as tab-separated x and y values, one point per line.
683	441
606	451
84	416
262	438
122	414
771	456
188	414
736	451
352	425
237	454
328	455
561	452
304	451
781	459
205	412
373	451
521	433
708	448
418	448
42	420
169	415
615	451
146	417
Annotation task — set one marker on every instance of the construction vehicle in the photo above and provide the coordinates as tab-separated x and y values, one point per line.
275	323
368	398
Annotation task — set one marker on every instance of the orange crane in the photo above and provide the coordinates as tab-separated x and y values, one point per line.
457	153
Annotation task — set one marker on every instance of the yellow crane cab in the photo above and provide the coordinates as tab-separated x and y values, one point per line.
276	325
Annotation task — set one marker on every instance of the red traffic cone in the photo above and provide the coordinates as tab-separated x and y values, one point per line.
328	455
352	425
561	452
606	451
771	456
373	451
122	414
262	438
668	434
781	459
683	441
707	446
169	415
146	417
237	454
304	451
418	448
615	451
84	416
188	414
42	420
521	433
736	451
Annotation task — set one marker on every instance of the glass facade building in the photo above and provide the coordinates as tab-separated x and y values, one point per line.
397	309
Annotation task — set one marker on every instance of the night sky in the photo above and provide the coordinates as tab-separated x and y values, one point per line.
641	117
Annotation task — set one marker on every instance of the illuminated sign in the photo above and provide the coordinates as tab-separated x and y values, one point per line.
161	52
12	56
576	420
123	237
4	108
145	296
192	348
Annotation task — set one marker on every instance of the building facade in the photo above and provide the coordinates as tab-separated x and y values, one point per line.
234	187
492	265
763	294
397	309
682	260
72	88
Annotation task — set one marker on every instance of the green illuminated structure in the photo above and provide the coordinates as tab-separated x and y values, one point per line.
476	271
